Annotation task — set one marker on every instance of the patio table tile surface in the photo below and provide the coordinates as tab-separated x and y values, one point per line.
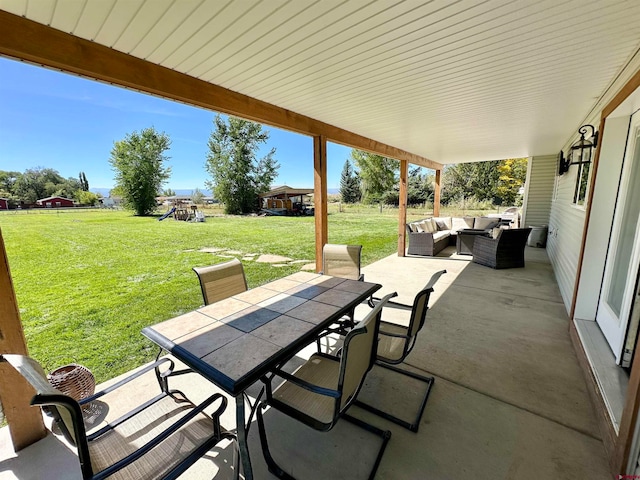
241	355
336	297
283	330
207	339
327	282
250	318
282	285
312	310
352	286
303	276
282	303
306	291
182	325
256	295
224	308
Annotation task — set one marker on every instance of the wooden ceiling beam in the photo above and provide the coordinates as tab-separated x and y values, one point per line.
27	40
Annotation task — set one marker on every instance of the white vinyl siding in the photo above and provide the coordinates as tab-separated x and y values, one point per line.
540	180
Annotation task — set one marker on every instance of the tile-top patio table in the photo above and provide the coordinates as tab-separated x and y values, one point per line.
236	341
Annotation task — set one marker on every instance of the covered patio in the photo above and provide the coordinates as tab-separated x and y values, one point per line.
509	400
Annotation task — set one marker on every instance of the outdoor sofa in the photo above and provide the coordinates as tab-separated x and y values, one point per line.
429	236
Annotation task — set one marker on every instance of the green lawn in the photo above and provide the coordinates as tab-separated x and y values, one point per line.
87	282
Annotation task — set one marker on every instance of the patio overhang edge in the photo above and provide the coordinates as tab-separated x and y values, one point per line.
27	40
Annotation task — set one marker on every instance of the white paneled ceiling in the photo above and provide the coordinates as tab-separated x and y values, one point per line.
453	81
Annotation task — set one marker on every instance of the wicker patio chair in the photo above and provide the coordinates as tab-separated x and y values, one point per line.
321	391
160	439
504	251
396	342
221	281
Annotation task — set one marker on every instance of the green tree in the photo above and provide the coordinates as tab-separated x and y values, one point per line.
84	197
167	192
349	184
138	162
40	182
238	177
197	197
377	174
84	183
8	181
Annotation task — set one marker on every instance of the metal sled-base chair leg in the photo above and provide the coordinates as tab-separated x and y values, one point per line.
275	469
398	421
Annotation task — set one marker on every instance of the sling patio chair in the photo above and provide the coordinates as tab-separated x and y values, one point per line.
395	344
342	261
159	439
221	281
321	391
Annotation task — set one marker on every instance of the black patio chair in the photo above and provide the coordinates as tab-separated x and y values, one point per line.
159	439
321	391
397	341
504	251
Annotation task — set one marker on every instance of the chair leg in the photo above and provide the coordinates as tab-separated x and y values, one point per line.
268	458
277	470
384	434
398	421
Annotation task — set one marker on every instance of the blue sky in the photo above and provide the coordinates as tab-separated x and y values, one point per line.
60	121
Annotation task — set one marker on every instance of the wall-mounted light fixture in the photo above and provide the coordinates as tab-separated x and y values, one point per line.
581	151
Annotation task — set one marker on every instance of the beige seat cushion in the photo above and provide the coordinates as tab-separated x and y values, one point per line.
438	235
485	223
129	436
320	371
458	223
389	347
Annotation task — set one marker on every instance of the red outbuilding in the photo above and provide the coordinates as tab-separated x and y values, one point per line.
55	202
4	204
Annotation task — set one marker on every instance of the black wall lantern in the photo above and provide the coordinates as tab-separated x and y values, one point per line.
581	151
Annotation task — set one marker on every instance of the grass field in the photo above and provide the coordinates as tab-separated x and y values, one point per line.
88	281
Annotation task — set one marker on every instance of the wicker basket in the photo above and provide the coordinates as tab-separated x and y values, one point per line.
74	380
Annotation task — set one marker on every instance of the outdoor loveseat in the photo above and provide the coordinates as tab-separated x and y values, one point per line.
430	235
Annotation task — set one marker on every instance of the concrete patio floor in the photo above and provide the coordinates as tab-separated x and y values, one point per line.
509	400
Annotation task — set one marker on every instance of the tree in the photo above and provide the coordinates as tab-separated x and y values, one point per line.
197	197
237	176
349	184
167	192
513	173
138	162
39	182
377	174
84	197
84	183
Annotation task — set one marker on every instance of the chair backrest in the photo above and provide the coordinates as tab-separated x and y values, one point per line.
65	410
421	305
513	239
341	260
359	354
221	281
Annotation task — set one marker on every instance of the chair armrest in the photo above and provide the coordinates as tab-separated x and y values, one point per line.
302	384
373	301
124	381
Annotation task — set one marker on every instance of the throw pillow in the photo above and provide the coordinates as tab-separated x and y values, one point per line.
429	225
443	223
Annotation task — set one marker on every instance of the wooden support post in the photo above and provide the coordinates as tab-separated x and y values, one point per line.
25	422
320	195
402	207
436	194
